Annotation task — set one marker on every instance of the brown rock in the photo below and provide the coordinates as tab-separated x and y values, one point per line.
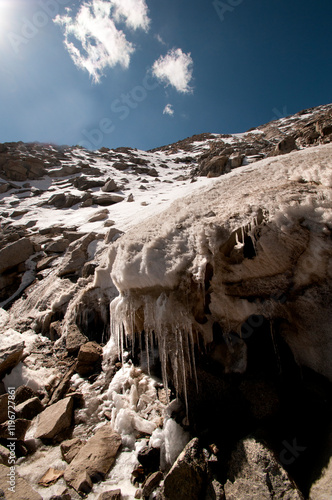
215	167
29	409
94	460
107	199
74	339
10	357
58	246
89	359
187	477
50	477
22	393
15	429
110	186
110	495
152	482
286	146
55	419
70	448
98	216
21	488
15	253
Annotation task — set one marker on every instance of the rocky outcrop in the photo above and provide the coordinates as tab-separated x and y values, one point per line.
254	474
76	255
94	460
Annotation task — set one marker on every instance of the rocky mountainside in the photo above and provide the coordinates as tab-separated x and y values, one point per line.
165	317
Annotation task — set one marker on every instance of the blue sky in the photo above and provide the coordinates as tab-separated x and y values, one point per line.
145	73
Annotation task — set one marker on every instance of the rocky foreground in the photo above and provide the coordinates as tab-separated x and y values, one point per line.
165	317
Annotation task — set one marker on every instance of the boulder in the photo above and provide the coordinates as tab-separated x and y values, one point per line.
94	460
89	359
112	235
107	199
215	166
110	186
29	409
187	477
57	246
120	165
110	495
63	387
70	448
149	458
152	482
255	474
10	357
62	200
20	490
285	146
76	255
14	429
236	160
15	253
98	216
23	393
74	339
83	183
55	419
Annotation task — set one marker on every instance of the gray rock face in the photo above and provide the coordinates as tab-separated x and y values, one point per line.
254	474
15	253
21	488
94	460
10	357
76	255
187	477
55	419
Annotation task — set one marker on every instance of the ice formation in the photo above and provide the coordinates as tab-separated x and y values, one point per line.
226	253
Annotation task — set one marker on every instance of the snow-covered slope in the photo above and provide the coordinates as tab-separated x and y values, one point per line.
183	270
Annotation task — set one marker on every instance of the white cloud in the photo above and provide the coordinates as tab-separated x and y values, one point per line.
133	12
160	40
175	69
168	110
102	43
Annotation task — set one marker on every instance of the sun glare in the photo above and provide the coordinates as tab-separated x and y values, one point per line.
6	11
